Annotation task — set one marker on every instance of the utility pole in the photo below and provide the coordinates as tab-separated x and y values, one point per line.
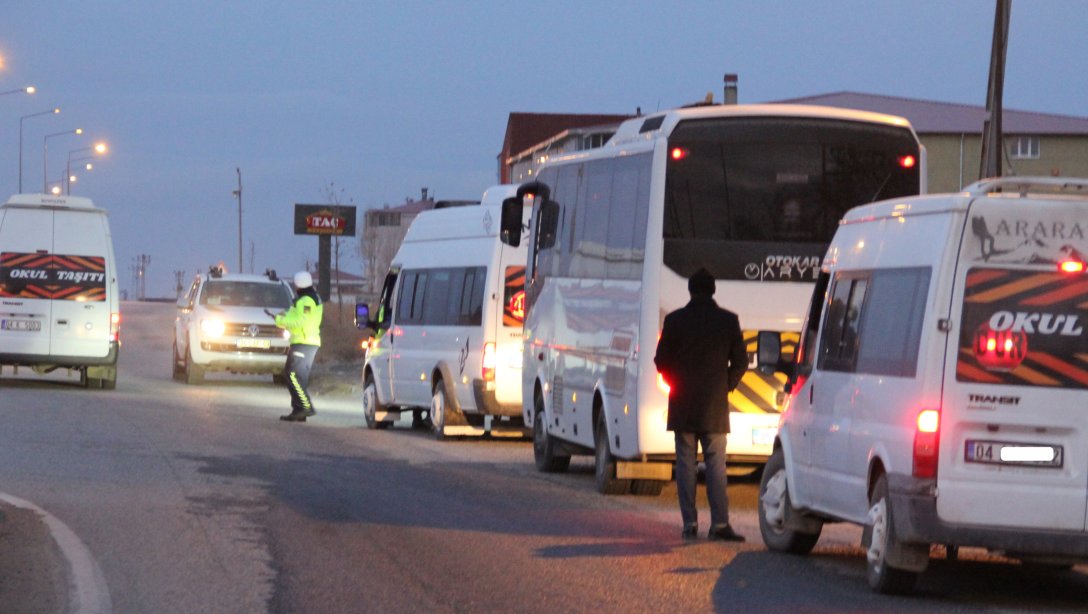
238	195
992	145
179	276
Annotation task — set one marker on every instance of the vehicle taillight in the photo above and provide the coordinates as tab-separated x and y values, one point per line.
663	385
1071	266
488	363
907	161
115	326
926	438
678	153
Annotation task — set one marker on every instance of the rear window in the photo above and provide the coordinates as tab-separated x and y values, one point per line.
1023	327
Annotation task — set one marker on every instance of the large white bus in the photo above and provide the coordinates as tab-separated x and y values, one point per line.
751	192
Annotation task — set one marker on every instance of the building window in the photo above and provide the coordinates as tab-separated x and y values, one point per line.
1024	147
383	218
593	141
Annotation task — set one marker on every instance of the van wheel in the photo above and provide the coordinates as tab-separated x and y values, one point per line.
194	373
110	381
371	405
774	505
647	488
882	577
605	463
545	448
178	370
440	407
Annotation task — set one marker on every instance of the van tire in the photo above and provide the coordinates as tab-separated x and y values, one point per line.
194	373
604	464
439	412
882	577
647	488
371	404
774	507
546	453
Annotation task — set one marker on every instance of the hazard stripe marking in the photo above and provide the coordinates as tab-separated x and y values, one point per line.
1007	290
1058	295
1056	364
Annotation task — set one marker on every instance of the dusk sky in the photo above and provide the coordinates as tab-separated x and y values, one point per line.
379	100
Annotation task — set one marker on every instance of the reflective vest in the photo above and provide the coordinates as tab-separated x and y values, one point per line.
303	320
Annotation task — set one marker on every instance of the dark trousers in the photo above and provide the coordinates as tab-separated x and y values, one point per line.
687	468
300	357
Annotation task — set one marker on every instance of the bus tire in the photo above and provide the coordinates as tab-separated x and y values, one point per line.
604	464
775	506
545	447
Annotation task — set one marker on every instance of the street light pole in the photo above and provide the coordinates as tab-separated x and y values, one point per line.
45	155
238	194
99	148
30	89
53	111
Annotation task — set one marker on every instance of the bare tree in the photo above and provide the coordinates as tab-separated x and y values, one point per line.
335	196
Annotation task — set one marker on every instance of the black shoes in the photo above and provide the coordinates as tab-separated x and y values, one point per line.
691	531
294	417
724	533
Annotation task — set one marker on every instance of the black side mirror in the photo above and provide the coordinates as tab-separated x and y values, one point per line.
510	226
768	352
362	316
549	224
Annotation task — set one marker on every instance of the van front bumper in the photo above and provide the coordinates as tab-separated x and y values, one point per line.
914	506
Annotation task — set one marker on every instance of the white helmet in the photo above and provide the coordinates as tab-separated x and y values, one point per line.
303	280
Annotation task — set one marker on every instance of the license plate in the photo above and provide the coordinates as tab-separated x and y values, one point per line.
258	344
1008	453
763	436
27	325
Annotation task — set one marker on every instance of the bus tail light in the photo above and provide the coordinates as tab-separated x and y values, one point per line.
907	161
488	362
926	437
1071	266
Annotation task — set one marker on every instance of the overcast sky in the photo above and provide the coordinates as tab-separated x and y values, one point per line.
381	99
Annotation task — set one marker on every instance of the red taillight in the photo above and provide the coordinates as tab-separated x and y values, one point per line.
678	153
907	161
1071	266
926	438
663	385
115	326
488	362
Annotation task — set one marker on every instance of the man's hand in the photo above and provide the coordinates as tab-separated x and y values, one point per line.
269	312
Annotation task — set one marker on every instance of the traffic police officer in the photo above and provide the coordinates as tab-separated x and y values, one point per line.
303	321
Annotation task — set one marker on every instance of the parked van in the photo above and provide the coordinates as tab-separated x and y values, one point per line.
448	325
59	306
940	394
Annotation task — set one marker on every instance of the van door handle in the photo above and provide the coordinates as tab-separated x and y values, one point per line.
811	389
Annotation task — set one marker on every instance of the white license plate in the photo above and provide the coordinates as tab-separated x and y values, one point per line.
257	344
1008	453
763	436
27	325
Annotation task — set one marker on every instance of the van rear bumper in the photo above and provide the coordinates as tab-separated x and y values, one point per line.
486	403
30	360
915	512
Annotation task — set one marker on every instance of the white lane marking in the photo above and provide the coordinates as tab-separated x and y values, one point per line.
89	593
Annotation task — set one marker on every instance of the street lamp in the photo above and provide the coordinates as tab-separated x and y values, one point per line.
99	148
53	111
27	89
45	154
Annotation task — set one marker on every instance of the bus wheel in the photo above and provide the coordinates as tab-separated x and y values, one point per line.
605	463
545	448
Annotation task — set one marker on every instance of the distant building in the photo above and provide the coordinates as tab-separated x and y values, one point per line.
532	137
344	286
1035	143
382	233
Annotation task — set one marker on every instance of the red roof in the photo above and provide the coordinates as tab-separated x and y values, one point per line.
523	130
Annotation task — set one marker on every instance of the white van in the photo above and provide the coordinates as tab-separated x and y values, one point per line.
59	306
448	325
941	390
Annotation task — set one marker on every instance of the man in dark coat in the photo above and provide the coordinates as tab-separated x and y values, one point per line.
702	357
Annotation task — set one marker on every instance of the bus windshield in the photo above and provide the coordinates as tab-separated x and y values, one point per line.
777	179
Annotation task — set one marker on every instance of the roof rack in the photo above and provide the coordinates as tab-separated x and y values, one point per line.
1024	185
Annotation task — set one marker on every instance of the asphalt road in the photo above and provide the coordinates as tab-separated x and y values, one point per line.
163	497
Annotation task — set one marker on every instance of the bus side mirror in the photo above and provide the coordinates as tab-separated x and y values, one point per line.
362	316
510	226
549	224
768	352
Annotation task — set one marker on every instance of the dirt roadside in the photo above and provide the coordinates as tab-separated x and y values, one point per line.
33	573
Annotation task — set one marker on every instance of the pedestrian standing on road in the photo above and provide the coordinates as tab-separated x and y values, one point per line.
303	322
702	357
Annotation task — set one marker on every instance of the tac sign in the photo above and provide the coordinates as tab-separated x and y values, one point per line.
336	220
